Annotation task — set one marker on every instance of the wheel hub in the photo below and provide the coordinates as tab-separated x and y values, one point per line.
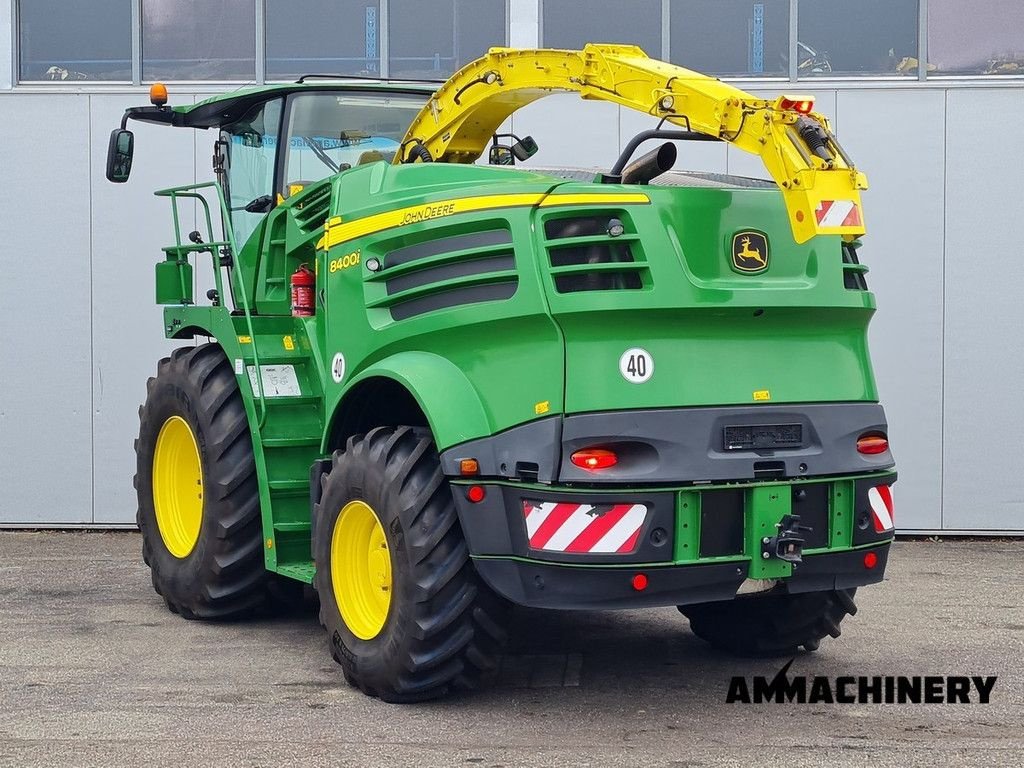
361	570
178	487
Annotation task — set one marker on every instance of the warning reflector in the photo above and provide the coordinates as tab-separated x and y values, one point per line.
880	498
584	528
838	213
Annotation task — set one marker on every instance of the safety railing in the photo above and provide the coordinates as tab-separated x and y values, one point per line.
182	251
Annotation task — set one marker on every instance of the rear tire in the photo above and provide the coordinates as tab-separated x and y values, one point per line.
423	624
771	625
216	569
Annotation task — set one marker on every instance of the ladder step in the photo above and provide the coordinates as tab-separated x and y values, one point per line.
289	487
292	527
284	400
300	571
291	442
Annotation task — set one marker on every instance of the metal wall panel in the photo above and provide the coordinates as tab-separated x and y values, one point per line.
45	356
129	227
523	24
570	131
982	465
897	138
6	43
941	212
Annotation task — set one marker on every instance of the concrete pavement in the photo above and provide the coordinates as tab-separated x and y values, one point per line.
94	671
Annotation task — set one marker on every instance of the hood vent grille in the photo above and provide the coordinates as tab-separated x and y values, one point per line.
311	210
586	256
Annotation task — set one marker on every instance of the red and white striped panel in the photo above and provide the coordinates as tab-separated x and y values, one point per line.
584	528
880	498
837	213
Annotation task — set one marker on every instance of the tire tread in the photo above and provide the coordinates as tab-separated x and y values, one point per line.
232	574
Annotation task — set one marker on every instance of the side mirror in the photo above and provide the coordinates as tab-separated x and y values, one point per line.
507	154
119	155
524	148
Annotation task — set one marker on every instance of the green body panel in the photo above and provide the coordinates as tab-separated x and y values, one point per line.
842	513
789	334
766	505
174	282
441	388
475	369
717	336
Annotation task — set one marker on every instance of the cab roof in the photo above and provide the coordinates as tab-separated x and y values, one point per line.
226	108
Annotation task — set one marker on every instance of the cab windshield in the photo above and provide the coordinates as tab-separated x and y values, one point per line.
329	132
324	132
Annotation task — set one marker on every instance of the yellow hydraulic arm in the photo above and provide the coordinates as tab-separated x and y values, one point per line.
818	181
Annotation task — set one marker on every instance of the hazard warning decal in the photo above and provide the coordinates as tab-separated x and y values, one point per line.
838	213
880	498
584	528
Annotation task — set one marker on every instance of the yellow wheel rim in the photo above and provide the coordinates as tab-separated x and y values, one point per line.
178	487
361	570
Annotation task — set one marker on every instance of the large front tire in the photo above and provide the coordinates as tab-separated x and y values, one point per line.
771	625
199	509
407	617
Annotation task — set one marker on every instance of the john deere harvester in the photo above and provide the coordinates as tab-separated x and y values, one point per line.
433	388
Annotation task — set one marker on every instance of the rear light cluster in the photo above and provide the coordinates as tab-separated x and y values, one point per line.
594	458
872	443
801	104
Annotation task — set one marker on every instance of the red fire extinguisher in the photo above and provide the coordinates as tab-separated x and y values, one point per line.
303	291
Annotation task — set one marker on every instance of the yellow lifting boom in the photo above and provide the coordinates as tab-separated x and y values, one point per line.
819	183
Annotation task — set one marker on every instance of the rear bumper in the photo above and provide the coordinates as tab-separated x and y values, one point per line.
685	445
566	587
567	547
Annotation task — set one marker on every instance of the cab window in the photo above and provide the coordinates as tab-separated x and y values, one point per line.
249	167
329	132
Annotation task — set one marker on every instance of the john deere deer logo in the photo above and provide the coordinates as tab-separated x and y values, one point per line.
749	252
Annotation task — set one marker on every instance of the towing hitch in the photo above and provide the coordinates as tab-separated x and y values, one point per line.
788	543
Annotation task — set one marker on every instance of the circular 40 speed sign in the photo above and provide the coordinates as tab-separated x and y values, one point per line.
636	365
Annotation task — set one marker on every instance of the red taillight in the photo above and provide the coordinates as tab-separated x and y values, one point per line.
639	582
870	560
476	493
796	104
594	458
872	444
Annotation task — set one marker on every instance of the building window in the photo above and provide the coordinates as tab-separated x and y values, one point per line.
572	24
337	37
431	39
733	38
62	41
198	40
984	38
868	37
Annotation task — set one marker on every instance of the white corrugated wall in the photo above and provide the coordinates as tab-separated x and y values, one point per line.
79	332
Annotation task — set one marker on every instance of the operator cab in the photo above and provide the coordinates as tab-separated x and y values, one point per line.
324	132
273	142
